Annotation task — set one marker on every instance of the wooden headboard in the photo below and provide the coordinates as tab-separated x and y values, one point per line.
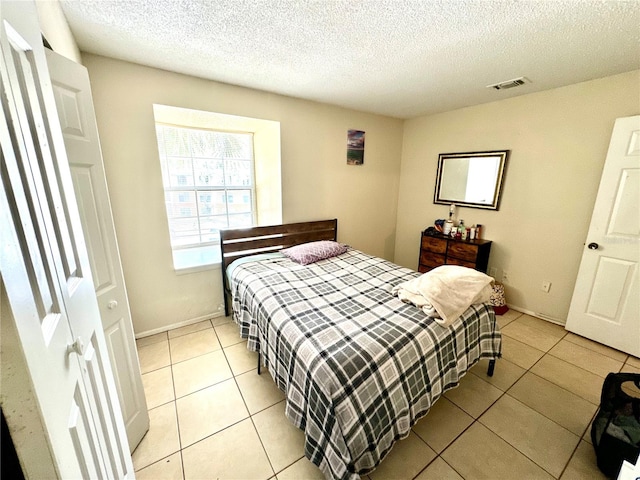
240	242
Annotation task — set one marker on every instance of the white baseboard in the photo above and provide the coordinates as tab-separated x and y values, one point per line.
542	316
191	321
184	323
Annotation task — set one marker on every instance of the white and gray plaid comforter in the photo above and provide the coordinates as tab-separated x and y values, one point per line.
358	366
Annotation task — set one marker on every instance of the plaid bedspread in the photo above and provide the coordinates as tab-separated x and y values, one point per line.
358	366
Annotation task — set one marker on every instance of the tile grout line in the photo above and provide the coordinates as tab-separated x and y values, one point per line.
626	355
465	429
170	366
579	443
175	408
548	352
505	392
251	415
504	439
176	402
273	471
581	436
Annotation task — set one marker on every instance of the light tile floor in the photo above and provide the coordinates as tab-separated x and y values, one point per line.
213	417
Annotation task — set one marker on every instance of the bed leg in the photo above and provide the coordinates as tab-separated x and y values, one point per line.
226	302
258	363
492	366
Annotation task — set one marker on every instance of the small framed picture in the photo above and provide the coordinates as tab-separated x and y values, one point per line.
355	147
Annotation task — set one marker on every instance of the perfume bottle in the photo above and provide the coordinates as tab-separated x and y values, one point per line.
463	230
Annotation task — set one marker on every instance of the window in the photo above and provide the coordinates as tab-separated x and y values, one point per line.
208	179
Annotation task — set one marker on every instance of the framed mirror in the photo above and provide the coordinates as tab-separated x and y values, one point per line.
472	179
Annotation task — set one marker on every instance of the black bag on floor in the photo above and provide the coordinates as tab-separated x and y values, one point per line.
615	431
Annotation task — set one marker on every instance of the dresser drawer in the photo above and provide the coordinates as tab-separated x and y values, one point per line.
463	251
430	259
440	250
437	245
462	263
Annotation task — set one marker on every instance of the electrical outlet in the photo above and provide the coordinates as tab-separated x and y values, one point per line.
493	271
505	277
546	286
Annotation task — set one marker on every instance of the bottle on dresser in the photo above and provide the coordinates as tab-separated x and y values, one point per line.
448	225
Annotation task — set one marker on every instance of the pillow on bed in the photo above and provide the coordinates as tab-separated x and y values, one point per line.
313	251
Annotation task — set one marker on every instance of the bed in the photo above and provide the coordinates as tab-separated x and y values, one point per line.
358	366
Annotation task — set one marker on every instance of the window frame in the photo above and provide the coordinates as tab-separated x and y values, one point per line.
163	158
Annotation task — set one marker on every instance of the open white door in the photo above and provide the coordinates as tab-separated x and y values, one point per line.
606	301
72	92
45	269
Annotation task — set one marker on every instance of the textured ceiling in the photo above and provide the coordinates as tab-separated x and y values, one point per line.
400	58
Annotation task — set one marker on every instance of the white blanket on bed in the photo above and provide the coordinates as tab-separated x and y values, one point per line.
445	292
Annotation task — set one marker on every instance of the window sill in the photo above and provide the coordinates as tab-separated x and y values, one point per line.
196	259
197	268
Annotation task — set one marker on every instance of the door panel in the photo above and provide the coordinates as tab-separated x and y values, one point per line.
39	155
21	197
107	414
84	442
610	288
72	92
605	306
116	336
92	223
625	220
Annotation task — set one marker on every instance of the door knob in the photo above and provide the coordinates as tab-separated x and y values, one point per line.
76	347
112	304
593	246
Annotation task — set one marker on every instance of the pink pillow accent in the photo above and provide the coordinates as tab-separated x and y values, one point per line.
313	251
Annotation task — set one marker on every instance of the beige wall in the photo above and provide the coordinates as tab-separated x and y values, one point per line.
56	29
316	181
558	141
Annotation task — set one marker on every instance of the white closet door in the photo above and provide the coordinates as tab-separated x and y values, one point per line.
45	269
72	91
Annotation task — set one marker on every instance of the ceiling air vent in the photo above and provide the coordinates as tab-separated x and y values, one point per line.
516	82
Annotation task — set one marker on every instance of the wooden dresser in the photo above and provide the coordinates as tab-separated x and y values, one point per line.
436	250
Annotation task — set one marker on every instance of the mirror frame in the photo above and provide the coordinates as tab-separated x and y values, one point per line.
497	191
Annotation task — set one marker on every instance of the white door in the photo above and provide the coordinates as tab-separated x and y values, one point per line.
45	269
605	303
72	92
